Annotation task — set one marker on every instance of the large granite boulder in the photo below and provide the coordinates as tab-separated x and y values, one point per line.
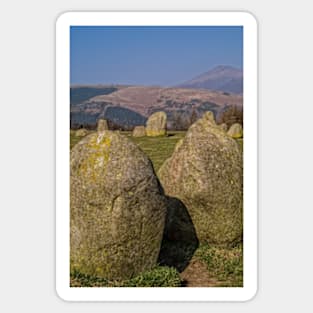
235	131
205	173
156	124
102	125
117	208
139	131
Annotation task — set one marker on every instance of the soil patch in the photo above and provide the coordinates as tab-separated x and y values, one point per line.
196	275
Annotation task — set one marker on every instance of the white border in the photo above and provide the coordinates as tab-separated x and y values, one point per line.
62	155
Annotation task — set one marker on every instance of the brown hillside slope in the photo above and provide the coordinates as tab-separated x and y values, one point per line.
145	100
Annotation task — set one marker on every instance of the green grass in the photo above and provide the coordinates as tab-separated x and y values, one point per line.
73	139
160	276
224	264
158	149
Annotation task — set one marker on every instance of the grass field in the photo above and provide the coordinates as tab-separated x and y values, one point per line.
158	149
208	267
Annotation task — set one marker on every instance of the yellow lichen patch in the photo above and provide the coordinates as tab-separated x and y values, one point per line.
235	131
99	140
95	162
237	136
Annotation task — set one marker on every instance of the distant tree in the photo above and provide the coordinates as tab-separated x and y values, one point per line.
176	120
90	126
179	121
232	114
115	126
193	116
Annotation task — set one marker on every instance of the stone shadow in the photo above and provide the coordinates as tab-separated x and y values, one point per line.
179	238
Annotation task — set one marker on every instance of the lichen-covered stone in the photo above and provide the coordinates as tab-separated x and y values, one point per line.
81	132
156	124
223	127
102	125
235	131
205	173
117	208
139	131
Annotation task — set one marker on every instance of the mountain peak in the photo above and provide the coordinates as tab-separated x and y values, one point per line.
226	69
224	78
223	68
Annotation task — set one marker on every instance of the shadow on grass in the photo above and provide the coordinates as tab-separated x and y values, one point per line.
179	239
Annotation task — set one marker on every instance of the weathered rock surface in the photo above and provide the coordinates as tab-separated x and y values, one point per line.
102	125
156	124
117	208
235	131
139	131
205	173
81	132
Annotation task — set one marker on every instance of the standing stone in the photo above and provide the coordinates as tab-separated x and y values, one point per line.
102	125
205	173
81	132
156	124
117	208
139	131
235	131
223	127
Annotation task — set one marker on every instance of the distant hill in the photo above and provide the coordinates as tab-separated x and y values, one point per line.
81	93
131	106
221	78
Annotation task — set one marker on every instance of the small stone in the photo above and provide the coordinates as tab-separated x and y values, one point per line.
102	125
81	132
156	124
235	131
139	131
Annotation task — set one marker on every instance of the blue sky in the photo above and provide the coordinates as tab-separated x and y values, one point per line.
161	56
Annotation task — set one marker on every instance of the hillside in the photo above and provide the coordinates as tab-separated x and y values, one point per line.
223	78
81	93
133	105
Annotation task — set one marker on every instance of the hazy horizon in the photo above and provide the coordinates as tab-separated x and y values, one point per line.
154	56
